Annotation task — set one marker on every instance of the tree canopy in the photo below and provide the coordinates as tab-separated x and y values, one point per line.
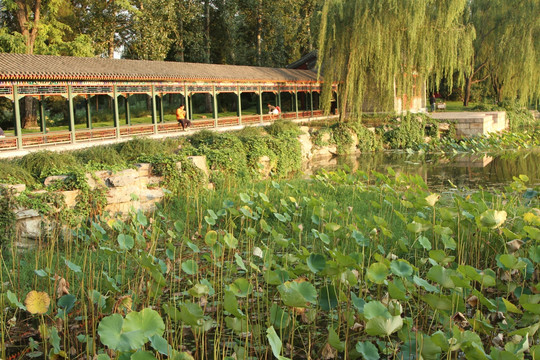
389	42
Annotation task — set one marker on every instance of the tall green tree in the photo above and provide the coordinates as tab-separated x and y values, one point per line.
387	43
506	48
107	22
40	27
152	23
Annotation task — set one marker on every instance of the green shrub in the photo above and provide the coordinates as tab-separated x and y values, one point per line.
7	216
342	137
101	157
521	119
283	129
11	173
44	163
407	132
133	149
368	141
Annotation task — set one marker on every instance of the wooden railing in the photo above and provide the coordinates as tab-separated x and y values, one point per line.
83	135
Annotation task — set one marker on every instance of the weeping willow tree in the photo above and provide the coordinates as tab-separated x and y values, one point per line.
388	45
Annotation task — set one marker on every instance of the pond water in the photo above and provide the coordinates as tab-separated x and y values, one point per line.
465	171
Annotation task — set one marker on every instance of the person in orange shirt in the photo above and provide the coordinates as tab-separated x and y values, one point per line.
181	117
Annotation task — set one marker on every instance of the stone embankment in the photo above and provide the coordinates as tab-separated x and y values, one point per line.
137	188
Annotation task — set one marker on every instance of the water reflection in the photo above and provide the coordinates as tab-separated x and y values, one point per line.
465	171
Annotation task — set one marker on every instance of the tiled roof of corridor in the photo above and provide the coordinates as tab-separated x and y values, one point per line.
47	67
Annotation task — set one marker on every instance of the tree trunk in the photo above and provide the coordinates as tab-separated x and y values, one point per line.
467	94
259	33
29	113
207	30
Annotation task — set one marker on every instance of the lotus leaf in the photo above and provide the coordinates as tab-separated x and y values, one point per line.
191	314
230	241
439	302
241	287
441	276
199	290
231	305
237	325
126	242
327	297
113	335
509	261
297	294
316	262
73	267
401	268
534	233
279	317
358	303
367	350
424	284
432	199
360	238
210	238
382	326
37	302
143	355
377	272
333	340
14	301
396	290
275	343
492	218
376	309
190	267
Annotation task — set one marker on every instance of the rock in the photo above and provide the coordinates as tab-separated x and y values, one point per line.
306	146
266	166
26	213
123	178
94	181
52	179
17	188
200	162
70	197
144	169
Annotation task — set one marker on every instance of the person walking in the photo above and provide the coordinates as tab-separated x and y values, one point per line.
432	101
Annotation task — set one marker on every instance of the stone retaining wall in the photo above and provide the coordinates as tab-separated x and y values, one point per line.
473	123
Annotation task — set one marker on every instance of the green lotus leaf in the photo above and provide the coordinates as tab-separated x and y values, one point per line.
534	253
210	238
367	350
492	218
424	284
279	318
237	325
190	267
381	326
231	305
401	268
441	276
112	334
191	313
199	290
327	297
377	272
334	341
376	309
241	287
424	242
230	241
297	294
147	320
333	227
161	345
316	262
509	261
143	355
275	342
439	302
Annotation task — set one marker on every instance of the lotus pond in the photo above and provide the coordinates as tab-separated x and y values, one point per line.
344	265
